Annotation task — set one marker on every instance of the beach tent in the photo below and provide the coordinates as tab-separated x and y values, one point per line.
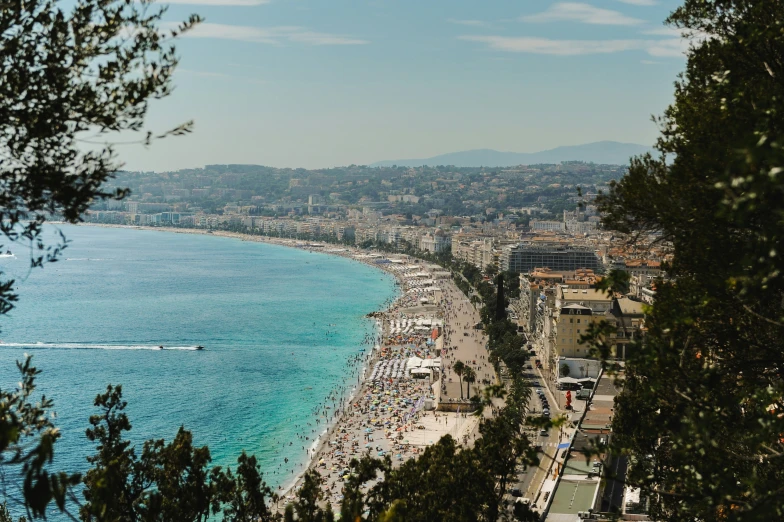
413	362
420	373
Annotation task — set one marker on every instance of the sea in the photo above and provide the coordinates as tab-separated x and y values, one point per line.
282	329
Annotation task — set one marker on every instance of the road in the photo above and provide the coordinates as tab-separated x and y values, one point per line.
530	481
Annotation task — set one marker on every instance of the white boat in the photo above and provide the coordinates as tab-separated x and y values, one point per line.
7	254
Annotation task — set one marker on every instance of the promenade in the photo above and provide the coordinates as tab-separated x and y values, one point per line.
465	343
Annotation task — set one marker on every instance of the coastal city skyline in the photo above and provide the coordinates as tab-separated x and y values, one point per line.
320	85
391	261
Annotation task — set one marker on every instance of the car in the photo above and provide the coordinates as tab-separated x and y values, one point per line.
535	384
539	392
538	447
529	367
544	433
516	492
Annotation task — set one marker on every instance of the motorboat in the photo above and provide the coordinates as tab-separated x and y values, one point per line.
200	347
7	254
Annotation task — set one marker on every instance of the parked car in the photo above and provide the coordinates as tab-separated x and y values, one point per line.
516	492
543	433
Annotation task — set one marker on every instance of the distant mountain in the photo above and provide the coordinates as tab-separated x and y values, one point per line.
606	152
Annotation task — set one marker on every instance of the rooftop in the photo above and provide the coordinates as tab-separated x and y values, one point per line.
572	496
589	294
629	307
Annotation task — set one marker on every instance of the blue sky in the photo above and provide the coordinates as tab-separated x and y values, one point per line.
319	83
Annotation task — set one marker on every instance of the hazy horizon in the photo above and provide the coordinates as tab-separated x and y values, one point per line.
303	84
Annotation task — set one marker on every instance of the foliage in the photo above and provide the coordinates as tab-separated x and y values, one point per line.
459	368
27	439
512	289
445	482
306	507
491	270
469	376
167	481
702	405
71	80
5	516
248	495
500	302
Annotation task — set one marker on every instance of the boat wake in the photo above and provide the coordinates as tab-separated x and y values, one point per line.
88	346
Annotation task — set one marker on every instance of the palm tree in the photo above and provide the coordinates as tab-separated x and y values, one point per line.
469	376
459	368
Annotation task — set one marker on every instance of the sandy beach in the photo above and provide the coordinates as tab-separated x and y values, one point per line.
401	382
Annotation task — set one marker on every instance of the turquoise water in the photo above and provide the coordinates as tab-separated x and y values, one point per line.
279	326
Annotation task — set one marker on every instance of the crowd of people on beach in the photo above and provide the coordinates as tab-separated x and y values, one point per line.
385	411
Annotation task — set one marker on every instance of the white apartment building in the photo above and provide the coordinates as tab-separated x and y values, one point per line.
551	226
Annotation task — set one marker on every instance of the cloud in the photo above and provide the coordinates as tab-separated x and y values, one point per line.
664	31
667	48
474	23
639	2
558	47
225	3
269	35
583	13
659	48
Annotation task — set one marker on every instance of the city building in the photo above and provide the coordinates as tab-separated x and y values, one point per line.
527	256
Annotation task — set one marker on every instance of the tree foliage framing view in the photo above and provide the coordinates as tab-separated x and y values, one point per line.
70	81
702	411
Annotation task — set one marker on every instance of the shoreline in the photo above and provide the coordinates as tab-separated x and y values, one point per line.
395	340
285	487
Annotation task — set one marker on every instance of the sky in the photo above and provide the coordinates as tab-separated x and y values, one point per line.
322	83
